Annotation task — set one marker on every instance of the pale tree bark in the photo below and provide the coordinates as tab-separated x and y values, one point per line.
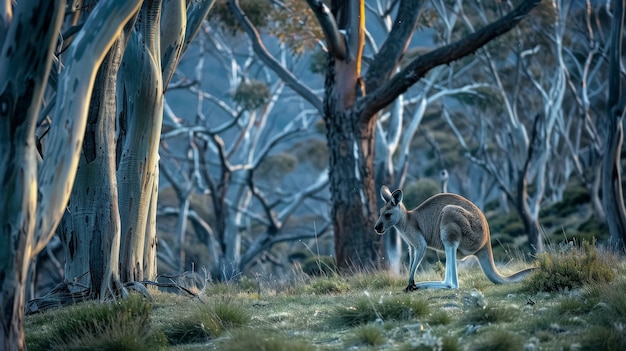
140	102
21	93
92	222
612	195
34	214
153	53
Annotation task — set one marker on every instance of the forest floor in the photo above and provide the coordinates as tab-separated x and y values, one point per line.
364	311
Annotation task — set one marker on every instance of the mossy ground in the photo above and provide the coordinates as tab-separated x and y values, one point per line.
370	311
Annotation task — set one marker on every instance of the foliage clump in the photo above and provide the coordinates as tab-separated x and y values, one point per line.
207	321
569	268
364	310
252	94
256	11
121	325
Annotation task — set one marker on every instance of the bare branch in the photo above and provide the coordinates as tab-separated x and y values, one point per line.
267	58
418	68
335	40
390	53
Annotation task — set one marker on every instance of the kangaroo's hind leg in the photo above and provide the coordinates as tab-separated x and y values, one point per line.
451	279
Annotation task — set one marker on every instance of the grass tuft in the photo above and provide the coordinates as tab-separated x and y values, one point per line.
498	340
368	335
569	268
490	314
364	309
440	317
121	325
207	321
326	285
603	338
250	339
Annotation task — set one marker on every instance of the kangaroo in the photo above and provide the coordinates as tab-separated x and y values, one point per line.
444	222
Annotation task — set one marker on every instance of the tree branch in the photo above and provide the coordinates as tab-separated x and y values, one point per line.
390	53
418	68
335	41
269	60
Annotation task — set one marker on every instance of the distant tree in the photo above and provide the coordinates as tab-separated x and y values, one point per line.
612	194
228	163
35	193
353	99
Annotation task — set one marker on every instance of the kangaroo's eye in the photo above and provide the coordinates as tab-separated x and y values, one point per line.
387	215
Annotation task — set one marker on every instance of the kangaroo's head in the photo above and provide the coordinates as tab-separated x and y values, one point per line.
391	212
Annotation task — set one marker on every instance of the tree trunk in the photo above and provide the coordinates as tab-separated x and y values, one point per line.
92	222
612	197
142	109
351	177
21	93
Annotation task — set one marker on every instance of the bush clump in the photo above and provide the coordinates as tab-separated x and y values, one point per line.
207	321
498	340
120	325
569	268
368	335
364	310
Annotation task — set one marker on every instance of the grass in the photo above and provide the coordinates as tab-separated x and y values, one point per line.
364	311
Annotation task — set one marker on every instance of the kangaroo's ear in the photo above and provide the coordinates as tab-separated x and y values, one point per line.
385	193
396	197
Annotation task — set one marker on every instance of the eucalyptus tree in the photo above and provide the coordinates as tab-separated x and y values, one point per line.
612	194
229	141
354	96
35	192
109	230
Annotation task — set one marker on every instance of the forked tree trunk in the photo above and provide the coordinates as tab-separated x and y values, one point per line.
21	93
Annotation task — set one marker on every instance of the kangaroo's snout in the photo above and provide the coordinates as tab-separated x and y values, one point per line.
379	228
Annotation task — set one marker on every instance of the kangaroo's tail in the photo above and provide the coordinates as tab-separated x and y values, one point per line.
485	258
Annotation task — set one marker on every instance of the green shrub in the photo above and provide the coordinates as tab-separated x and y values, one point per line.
498	340
207	321
319	266
440	317
604	338
376	280
369	335
327	285
249	339
120	325
571	267
364	309
608	303
490	314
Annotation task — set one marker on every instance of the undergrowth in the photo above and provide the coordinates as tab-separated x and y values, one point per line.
569	267
575	300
